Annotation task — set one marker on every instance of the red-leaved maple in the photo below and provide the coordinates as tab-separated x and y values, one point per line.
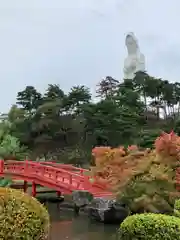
127	170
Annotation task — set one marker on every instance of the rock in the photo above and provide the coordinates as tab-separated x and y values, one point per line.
81	198
107	211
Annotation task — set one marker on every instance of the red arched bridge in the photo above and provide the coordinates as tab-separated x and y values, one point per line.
63	178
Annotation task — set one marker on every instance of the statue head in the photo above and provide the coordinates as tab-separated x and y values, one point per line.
131	43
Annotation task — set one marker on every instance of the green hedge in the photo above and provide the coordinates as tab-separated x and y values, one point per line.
22	217
150	226
177	208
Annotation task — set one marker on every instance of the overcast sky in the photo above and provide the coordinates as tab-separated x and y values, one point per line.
71	42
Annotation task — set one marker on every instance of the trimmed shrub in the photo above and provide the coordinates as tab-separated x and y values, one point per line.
177	208
150	226
22	216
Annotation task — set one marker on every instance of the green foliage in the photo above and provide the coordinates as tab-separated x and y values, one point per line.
147	137
22	217
139	197
126	112
150	226
75	155
29	99
78	95
177	208
112	124
5	182
10	148
107	88
53	92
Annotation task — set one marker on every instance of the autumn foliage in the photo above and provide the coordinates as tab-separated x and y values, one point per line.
145	176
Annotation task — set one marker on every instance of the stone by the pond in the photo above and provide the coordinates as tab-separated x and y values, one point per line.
107	211
81	198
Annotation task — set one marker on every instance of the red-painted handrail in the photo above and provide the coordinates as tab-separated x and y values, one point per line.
69	167
60	177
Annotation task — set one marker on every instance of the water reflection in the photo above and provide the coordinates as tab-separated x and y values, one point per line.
64	225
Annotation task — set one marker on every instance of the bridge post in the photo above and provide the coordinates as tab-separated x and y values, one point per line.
25	186
81	172
26	166
1	166
58	194
33	189
70	179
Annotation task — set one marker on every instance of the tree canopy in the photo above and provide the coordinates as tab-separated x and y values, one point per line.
66	126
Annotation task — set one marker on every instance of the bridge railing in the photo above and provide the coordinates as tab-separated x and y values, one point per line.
52	174
68	167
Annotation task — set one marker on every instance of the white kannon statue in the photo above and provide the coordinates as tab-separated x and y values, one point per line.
135	60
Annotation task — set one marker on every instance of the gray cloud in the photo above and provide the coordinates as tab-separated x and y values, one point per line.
80	41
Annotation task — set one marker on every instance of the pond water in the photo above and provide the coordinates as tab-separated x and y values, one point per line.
66	226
